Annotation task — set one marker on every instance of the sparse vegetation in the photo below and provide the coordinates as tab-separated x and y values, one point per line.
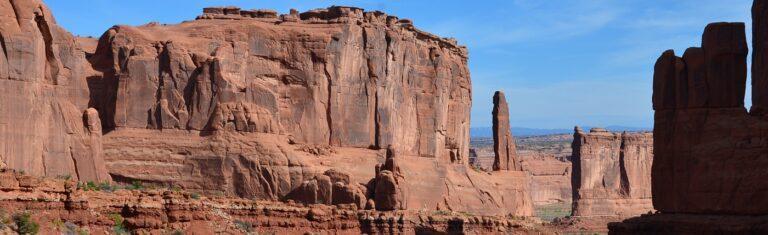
442	212
24	224
136	185
72	228
64	177
119	227
245	226
552	211
195	196
5	221
57	224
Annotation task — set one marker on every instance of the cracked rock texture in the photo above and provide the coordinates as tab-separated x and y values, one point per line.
611	173
504	149
44	126
248	103
338	76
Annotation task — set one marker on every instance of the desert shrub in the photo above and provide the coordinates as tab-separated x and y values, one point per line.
245	226
119	227
72	228
195	196
136	185
5	221
24	224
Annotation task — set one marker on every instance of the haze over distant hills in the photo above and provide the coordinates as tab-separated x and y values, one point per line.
524	131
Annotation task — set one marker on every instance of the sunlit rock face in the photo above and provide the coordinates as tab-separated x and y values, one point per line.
45	129
249	103
611	173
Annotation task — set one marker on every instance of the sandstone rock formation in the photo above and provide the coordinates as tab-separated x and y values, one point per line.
43	95
330	188
503	142
708	147
337	76
709	167
231	102
550	179
388	188
62	207
611	173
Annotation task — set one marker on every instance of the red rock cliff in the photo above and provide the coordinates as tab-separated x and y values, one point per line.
249	103
710	150
44	126
338	76
611	173
709	172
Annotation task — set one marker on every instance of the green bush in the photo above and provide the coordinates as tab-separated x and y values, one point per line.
195	196
119	227
24	224
136	185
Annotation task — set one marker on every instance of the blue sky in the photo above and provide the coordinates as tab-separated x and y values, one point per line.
560	62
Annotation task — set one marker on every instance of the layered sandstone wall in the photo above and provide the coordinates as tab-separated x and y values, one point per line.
248	103
338	76
611	173
44	126
550	179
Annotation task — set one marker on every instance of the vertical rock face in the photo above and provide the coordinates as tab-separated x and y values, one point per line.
503	142
43	94
611	173
550	180
710	151
227	103
709	172
338	76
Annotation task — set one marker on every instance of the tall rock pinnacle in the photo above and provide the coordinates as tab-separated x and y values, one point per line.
503	143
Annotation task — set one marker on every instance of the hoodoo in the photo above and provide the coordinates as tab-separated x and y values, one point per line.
503	143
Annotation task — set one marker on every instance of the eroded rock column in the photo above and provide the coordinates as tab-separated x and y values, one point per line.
503	143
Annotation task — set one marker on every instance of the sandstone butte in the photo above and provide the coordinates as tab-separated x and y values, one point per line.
252	104
611	177
709	174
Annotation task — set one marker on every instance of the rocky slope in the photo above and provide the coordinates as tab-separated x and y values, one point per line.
611	173
67	207
545	157
250	103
